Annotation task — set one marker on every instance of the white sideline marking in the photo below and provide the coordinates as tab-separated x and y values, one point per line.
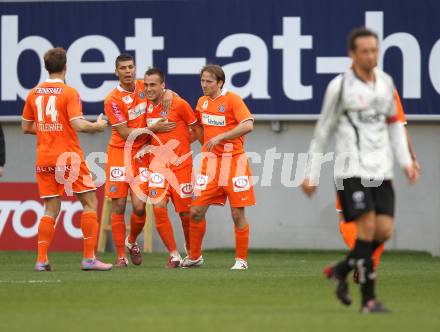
30	281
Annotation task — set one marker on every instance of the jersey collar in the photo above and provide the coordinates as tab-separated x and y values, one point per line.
54	80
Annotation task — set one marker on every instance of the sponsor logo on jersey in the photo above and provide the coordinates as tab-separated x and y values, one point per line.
137	111
117	174
214	120
241	183
150	108
201	182
186	190
205	105
153	193
221	109
144	174
117	112
157	180
127	99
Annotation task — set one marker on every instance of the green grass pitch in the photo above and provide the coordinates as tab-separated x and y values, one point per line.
282	291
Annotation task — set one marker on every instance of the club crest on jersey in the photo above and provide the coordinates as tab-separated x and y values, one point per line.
221	108
164	114
186	190
141	94
157	180
144	174
127	99
205	105
241	183
150	108
201	182
117	174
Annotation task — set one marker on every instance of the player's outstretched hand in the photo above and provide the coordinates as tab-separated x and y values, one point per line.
308	187
411	173
100	124
162	126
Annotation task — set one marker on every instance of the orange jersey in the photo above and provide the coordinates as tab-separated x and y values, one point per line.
400	114
220	115
123	106
52	105
183	115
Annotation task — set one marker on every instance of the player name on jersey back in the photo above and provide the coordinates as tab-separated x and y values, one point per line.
50	127
48	91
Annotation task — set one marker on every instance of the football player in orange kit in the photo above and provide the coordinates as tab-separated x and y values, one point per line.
170	162
53	112
125	107
348	229
225	171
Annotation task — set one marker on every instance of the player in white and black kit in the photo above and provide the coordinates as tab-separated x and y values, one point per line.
359	110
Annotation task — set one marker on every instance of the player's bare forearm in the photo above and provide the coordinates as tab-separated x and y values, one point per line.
242	129
196	133
28	127
85	126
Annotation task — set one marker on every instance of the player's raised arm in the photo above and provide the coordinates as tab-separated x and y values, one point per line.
85	126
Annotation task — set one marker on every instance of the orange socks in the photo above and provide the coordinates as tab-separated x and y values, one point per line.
377	254
136	226
185	226
197	231
118	233
46	229
164	228
349	233
89	227
242	242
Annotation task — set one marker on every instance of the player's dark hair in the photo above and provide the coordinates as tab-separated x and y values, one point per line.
55	59
216	71
123	57
156	71
357	33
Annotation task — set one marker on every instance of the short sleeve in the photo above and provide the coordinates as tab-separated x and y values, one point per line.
114	112
74	105
28	113
240	110
187	113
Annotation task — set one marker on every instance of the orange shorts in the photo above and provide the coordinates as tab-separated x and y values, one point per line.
224	177
119	178
57	180
176	185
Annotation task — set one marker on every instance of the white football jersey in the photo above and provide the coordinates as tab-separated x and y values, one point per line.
358	114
